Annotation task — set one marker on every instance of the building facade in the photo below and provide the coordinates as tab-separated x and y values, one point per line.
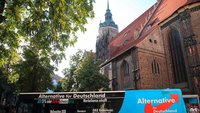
160	49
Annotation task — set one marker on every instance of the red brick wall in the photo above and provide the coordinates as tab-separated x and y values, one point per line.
195	19
155	47
149	50
126	57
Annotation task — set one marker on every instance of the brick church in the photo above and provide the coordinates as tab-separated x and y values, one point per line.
160	49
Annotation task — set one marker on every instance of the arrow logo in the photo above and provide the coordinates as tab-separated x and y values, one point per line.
161	107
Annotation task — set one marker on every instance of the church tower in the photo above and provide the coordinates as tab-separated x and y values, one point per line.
107	30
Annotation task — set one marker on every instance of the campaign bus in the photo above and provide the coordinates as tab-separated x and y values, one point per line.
129	101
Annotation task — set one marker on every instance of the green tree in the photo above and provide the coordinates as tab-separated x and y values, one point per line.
49	25
88	77
8	76
68	80
35	72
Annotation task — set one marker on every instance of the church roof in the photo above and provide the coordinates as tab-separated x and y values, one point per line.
143	25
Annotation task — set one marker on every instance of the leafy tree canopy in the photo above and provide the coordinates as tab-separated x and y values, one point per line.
49	25
46	27
84	74
68	81
88	76
35	72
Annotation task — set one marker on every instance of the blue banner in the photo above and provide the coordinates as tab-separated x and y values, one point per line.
153	101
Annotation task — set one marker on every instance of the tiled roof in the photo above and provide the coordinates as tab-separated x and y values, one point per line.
127	36
143	25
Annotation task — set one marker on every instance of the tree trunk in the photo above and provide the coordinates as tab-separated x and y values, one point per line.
2	4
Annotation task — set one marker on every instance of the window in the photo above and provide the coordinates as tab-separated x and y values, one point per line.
125	75
155	41
148	27
150	40
125	42
155	67
177	59
125	34
126	69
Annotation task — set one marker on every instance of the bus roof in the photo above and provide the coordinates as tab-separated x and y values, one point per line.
71	92
190	96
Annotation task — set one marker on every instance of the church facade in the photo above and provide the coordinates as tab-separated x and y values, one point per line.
160	49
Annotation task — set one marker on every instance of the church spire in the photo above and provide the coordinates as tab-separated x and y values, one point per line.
108	15
108	18
107	4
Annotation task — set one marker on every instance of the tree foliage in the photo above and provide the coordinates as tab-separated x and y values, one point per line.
84	74
3	80
69	73
88	76
35	72
8	76
48	27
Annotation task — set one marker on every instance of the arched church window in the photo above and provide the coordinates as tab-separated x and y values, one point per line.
125	74
177	58
155	67
126	69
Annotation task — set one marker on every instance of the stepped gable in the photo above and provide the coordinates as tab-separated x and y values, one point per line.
145	24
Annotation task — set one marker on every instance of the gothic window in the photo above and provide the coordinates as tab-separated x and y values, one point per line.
155	67
177	59
126	69
125	75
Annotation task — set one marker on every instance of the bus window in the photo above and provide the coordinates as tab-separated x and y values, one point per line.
71	102
191	101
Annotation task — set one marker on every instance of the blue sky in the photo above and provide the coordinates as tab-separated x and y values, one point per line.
123	11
